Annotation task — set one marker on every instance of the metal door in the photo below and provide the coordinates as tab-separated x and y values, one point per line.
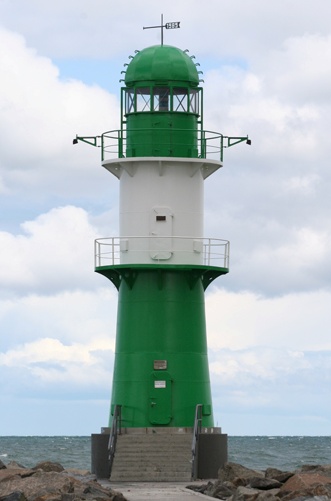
160	411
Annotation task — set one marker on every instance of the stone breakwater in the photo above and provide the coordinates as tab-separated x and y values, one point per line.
238	483
49	481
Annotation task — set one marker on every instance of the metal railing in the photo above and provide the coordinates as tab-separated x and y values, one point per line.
116	429
209	144
195	440
112	251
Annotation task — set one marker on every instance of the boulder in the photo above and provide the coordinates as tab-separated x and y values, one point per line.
14	496
323	469
220	490
279	475
14	465
2	465
271	495
306	485
237	474
38	485
48	466
264	484
245	494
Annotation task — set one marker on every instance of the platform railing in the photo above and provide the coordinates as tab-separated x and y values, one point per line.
195	440
114	251
116	429
209	144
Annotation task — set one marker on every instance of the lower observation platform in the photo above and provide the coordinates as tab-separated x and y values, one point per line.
122	258
117	273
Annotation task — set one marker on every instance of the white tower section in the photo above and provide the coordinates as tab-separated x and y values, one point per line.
161	208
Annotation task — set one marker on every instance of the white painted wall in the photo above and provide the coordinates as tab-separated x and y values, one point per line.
161	200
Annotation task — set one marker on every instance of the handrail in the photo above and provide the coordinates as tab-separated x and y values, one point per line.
112	251
195	440
209	144
116	429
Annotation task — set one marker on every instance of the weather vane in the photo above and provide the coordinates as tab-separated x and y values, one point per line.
167	26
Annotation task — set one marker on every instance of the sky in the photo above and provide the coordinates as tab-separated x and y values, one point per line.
267	73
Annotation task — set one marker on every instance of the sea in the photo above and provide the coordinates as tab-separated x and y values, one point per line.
260	452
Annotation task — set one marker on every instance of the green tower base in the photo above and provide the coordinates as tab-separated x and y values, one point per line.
161	368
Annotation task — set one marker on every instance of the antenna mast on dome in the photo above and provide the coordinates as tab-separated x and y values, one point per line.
167	26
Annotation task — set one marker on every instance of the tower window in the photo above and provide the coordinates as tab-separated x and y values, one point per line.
161	218
180	99
161	98
129	101
143	99
194	101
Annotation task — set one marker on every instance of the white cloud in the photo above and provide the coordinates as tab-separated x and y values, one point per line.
40	116
294	323
53	252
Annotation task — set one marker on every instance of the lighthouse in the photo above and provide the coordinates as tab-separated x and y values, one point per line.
162	263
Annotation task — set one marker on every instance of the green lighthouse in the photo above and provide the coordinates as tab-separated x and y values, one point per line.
161	263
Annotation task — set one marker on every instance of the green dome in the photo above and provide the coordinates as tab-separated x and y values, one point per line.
161	64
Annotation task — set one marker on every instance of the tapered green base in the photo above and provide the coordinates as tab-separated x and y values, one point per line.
161	367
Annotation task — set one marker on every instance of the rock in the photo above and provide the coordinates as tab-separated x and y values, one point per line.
79	473
220	490
15	472
48	466
323	469
2	465
279	475
38	485
271	495
199	488
306	485
264	483
237	474
14	496
245	494
13	464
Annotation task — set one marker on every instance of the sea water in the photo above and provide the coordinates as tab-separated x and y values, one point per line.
285	453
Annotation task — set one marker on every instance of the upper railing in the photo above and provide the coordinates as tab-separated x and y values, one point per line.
162	250
209	144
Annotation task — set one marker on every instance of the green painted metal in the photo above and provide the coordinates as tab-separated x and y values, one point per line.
161	111
161	319
193	273
161	63
166	135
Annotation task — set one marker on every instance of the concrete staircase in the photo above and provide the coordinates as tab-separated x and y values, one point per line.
153	456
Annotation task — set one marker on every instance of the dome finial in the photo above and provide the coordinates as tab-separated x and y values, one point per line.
167	26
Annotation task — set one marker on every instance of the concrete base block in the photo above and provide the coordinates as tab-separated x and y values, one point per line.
99	455
212	454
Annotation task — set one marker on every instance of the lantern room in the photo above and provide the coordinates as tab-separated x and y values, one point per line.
161	104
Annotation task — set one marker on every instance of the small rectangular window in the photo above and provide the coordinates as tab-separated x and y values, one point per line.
161	218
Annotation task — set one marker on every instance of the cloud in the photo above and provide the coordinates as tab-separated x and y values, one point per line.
292	322
40	115
53	252
49	367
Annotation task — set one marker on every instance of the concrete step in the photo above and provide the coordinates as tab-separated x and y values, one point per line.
159	457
